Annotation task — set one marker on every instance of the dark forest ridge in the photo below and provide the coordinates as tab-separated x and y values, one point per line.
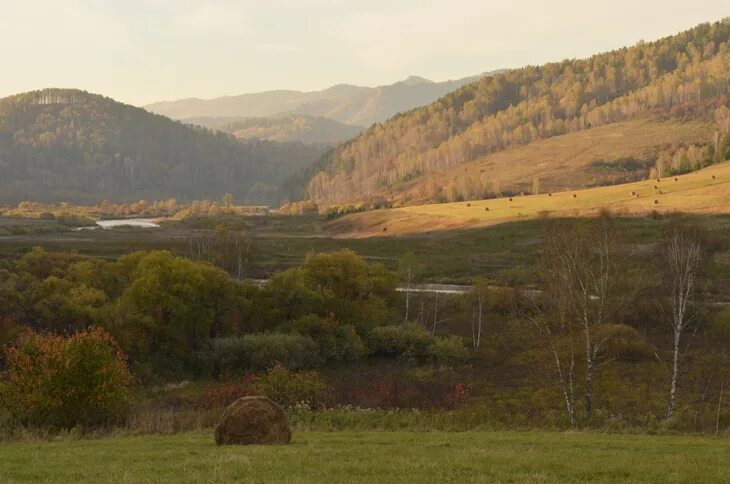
70	145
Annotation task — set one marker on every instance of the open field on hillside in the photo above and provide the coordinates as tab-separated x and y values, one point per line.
374	457
565	162
705	191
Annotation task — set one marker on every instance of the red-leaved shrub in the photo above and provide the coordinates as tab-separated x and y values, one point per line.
61	382
222	395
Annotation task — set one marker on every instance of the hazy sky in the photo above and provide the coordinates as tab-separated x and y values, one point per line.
139	51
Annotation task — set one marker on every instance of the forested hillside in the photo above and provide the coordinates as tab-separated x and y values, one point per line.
684	78
69	145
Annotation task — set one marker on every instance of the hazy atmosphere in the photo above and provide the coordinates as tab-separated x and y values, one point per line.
141	51
364	241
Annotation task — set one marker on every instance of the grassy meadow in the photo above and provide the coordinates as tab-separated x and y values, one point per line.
566	161
704	192
373	457
503	252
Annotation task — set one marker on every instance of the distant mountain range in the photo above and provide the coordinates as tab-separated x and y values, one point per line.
348	104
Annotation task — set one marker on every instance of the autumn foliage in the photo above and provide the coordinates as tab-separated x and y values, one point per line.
61	382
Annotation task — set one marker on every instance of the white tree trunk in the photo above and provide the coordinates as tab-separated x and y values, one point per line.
675	373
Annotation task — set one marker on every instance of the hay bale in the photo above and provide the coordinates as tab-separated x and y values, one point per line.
253	420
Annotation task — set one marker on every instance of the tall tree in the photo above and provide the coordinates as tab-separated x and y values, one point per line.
548	316
480	294
585	266
682	254
409	269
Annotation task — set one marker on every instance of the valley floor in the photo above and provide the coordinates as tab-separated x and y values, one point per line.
374	457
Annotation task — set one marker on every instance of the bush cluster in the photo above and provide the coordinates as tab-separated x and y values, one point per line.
292	388
262	351
62	382
413	342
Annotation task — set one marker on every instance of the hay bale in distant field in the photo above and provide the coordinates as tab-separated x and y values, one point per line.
253	420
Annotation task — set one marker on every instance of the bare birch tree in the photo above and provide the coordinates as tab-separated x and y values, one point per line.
227	249
585	267
549	318
409	268
682	253
480	295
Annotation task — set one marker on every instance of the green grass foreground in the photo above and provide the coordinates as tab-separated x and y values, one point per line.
374	457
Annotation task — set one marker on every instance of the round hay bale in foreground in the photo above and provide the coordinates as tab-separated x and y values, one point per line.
253	420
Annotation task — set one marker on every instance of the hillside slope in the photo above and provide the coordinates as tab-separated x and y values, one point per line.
706	191
291	127
69	145
683	77
354	105
615	153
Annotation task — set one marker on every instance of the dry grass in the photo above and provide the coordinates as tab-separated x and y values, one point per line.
563	162
696	192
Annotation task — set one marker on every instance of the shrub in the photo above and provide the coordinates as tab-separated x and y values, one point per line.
61	382
448	350
406	341
224	394
414	342
289	388
263	351
347	347
337	343
623	342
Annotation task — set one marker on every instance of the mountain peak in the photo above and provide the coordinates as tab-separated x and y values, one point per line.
414	80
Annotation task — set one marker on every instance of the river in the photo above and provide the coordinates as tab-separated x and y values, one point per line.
142	223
